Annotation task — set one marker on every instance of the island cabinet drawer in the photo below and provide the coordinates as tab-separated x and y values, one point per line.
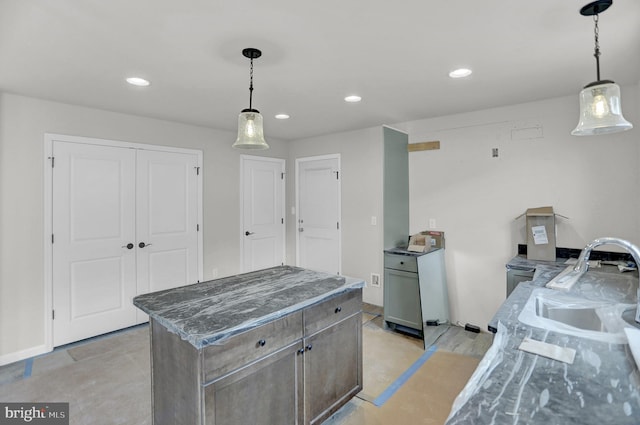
242	349
401	262
332	310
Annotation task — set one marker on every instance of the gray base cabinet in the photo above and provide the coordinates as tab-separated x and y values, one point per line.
415	289
298	369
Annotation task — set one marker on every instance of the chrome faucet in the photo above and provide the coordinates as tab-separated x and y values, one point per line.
582	265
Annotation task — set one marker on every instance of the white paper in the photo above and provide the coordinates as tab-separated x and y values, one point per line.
539	235
551	351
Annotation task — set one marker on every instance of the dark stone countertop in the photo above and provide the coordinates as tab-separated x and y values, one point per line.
209	312
511	386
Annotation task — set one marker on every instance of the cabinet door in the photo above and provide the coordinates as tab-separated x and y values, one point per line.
332	368
266	392
402	299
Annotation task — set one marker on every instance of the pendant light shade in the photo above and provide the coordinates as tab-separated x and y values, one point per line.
250	132
600	107
600	111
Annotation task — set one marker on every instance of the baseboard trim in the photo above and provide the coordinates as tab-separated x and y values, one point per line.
16	356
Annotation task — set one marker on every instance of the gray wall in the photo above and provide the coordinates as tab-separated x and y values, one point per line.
23	122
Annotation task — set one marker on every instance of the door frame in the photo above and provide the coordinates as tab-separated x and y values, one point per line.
335	156
283	164
49	138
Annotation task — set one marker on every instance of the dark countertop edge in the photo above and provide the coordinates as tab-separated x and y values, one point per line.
566	253
403	251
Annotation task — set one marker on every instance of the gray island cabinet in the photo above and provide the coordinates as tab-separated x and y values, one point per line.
276	346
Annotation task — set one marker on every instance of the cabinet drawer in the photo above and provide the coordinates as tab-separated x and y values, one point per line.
401	262
328	312
242	349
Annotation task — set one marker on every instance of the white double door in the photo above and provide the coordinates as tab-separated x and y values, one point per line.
124	222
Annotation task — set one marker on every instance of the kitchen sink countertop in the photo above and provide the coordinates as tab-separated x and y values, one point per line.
511	386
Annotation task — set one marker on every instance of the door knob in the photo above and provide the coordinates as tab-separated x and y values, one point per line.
128	246
300	229
247	233
142	244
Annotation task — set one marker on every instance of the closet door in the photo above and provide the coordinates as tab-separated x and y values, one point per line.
167	221
94	257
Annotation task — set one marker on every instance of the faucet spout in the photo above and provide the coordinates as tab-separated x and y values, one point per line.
583	261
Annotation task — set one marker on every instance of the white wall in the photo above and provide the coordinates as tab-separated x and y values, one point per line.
475	198
23	122
361	164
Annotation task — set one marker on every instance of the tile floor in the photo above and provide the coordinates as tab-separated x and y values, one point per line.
106	379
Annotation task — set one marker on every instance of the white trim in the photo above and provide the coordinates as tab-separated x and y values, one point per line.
297	190
395	129
16	356
49	138
283	165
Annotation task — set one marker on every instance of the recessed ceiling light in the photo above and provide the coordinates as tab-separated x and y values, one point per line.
137	81
352	99
460	73
282	117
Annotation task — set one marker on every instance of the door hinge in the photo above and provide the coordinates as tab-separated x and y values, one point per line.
281	176
53	159
53	314
52	238
197	171
337	175
282	221
338	225
197	227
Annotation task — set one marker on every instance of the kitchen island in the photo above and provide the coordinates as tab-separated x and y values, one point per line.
511	386
276	346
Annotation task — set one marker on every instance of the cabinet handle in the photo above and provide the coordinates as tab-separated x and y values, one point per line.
309	347
338	309
262	343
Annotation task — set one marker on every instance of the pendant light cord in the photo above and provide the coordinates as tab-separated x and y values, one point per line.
251	83
596	53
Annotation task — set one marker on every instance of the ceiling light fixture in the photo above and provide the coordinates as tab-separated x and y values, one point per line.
250	133
137	81
460	73
352	99
282	117
600	110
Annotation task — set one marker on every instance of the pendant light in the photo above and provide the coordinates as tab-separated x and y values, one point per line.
250	133
600	110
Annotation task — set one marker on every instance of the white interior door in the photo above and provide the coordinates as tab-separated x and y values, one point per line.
94	272
167	221
318	213
125	221
263	229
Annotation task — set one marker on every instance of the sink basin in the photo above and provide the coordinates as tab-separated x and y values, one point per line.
582	318
572	315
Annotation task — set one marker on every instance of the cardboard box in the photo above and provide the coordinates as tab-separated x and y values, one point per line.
437	238
541	233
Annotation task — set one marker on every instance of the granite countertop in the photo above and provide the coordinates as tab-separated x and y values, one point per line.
210	312
511	386
404	251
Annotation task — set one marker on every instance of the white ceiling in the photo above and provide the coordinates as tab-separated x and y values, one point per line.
395	54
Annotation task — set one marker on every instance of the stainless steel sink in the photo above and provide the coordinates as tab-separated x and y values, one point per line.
582	318
568	314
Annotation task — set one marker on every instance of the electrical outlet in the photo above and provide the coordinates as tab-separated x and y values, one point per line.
374	220
432	223
214	273
375	280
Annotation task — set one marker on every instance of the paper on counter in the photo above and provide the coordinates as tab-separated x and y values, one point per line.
551	351
539	235
633	337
